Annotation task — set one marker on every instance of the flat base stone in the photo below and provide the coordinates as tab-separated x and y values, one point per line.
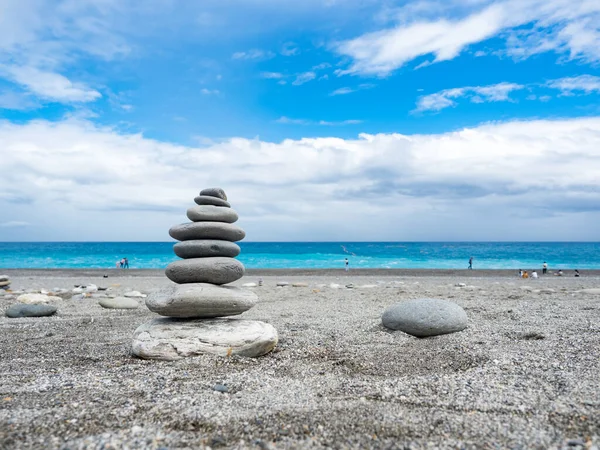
173	339
201	300
28	310
119	303
425	317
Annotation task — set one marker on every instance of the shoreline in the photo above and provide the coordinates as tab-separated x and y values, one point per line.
475	273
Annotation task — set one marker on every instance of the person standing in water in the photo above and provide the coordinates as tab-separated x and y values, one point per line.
544	268
346	262
470	263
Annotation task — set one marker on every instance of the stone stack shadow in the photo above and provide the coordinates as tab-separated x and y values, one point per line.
195	307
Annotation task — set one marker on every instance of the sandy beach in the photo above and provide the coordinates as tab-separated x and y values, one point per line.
524	374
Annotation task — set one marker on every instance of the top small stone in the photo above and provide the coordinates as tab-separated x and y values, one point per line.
214	192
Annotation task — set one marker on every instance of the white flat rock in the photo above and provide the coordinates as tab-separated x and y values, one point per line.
90	288
299	284
249	285
172	339
36	299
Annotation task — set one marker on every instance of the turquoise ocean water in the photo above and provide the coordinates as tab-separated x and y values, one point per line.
272	255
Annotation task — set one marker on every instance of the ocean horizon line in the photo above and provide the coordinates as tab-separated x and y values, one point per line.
317	255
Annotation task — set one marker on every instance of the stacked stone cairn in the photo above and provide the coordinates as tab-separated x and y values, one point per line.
196	306
4	282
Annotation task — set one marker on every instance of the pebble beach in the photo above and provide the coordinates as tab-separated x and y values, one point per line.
523	374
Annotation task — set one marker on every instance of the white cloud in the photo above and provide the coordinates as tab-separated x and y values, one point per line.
535	180
253	54
289	121
553	25
304	78
16	101
340	122
586	84
321	66
40	40
477	94
50	86
349	90
272	75
289	49
205	91
14	224
343	91
582	84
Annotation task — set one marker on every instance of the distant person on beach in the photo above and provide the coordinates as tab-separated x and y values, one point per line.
125	263
470	263
122	263
347	264
525	274
559	273
534	274
117	264
544	268
576	273
520	273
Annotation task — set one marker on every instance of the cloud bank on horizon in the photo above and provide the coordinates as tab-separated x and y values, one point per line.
338	120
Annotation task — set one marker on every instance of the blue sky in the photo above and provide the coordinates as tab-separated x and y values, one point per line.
371	117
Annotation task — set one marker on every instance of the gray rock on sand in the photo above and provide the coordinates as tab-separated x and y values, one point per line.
215	270
208	200
134	294
214	192
119	303
201	300
206	248
4	283
591	291
211	213
172	339
4	278
207	230
29	310
425	317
